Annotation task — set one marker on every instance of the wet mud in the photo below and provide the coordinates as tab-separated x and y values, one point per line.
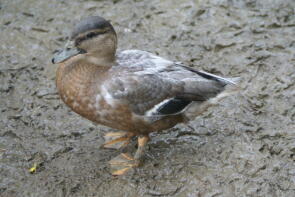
243	147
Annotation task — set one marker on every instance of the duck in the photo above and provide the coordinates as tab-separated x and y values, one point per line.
132	91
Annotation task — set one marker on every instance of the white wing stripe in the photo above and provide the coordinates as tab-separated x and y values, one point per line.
154	110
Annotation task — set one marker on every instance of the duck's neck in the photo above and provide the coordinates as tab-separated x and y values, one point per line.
101	57
105	61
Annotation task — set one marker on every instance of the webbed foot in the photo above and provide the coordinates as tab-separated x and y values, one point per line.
117	140
124	162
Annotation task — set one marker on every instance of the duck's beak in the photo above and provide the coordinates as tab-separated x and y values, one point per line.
69	51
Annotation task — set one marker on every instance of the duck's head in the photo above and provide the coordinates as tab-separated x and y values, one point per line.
93	39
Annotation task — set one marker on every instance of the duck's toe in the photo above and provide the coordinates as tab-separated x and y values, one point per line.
117	140
122	164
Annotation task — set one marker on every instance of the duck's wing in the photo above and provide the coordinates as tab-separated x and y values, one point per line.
154	86
134	58
147	94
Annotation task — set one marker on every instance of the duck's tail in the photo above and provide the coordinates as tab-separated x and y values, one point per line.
232	86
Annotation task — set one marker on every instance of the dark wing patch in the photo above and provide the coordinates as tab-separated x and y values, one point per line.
173	106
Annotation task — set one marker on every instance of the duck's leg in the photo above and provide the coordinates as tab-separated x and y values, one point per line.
117	140
124	162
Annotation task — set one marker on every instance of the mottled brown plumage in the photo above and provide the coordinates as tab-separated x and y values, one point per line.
133	91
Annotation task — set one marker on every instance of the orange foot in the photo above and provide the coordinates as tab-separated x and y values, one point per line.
117	140
124	162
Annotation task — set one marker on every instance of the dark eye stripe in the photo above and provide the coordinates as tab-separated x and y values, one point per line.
88	36
93	34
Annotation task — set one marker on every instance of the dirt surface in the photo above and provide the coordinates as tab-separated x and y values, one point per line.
243	147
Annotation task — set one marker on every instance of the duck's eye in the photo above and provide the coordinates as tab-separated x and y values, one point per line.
88	36
92	34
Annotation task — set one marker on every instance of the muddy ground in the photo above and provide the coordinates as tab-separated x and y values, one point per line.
243	147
